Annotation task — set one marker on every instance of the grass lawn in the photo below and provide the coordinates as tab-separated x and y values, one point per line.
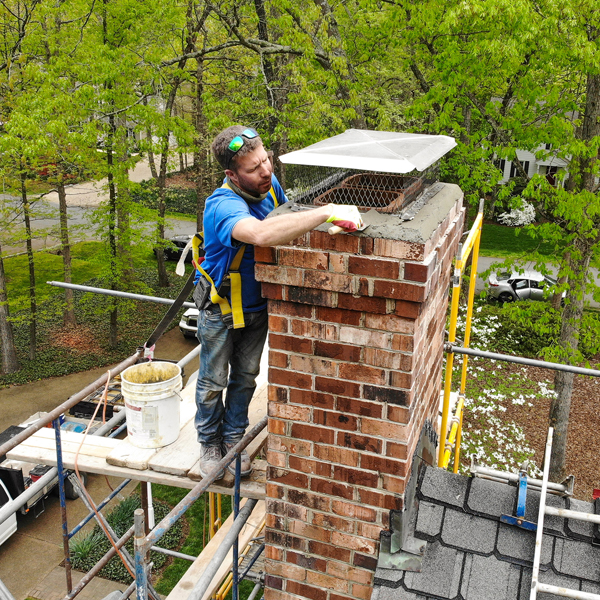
510	242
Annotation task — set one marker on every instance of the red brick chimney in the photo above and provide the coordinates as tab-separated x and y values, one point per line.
356	331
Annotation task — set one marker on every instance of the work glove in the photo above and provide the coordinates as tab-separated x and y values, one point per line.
345	216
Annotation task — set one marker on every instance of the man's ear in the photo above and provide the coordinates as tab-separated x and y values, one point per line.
232	176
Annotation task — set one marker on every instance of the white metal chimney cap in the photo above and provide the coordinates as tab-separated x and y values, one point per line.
367	150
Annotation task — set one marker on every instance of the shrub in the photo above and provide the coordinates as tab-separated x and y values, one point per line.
176	199
525	215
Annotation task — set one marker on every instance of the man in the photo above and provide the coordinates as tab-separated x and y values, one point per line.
232	324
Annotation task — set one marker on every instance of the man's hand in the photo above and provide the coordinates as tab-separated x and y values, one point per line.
345	216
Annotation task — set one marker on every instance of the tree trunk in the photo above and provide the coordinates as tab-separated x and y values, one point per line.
201	155
69	313
112	236
29	245
10	362
163	279
150	141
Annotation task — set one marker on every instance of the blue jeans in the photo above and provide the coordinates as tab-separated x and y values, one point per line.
229	358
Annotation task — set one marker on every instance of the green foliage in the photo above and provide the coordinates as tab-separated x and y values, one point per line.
88	549
177	200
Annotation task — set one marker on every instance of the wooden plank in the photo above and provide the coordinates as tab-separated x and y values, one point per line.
74	437
186	584
180	456
251	488
257	410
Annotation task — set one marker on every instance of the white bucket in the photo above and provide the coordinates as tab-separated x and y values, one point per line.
152	403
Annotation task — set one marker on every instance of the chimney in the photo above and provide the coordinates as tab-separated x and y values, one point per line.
356	331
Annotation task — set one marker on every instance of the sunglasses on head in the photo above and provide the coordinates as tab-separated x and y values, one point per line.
238	141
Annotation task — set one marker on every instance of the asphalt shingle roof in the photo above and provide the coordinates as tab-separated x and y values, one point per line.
472	555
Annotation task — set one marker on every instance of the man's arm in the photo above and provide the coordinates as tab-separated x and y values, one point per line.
280	229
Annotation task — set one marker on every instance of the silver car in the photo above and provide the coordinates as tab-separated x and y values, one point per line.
528	285
189	323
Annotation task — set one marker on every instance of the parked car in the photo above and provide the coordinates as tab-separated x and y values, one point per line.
176	245
189	322
528	285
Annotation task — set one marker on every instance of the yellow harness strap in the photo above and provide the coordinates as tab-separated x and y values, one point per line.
235	279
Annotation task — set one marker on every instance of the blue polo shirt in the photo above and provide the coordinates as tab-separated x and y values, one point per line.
223	209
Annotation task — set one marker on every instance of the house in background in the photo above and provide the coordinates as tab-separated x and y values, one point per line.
549	166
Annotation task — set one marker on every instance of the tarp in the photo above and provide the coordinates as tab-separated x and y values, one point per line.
366	150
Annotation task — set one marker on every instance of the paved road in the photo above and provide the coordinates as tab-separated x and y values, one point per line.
82	200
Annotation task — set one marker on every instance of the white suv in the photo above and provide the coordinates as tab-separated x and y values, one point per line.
189	323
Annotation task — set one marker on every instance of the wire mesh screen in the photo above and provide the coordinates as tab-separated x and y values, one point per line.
385	192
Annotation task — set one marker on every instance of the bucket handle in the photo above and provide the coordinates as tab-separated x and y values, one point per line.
178	394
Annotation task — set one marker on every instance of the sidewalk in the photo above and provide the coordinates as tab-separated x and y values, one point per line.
54	586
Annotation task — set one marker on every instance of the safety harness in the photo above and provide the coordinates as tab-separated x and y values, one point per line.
232	282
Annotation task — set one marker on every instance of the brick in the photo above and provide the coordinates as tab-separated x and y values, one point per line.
271	594
272	291
309	500
358	407
404	343
328	551
396	485
420	271
285	540
313	434
389	431
265	254
272	490
338	243
394	450
278	324
312	296
364	337
409	310
308	562
273	582
312	364
362	373
366	245
374	267
305	591
401	380
285	570
277	459
369	531
336	315
343	352
364	561
362	592
290	412
384	288
359	442
290	343
333	522
290	445
305	259
281	377
349	573
325	280
272	552
311	398
276	426
277	394
398	414
353	542
291	309
331	488
354	511
327	582
285	477
335	420
338	263
398	249
279	275
314	329
311	532
355	476
382	394
312	467
337	387
278	359
362	303
373	498
390	323
335	454
383	358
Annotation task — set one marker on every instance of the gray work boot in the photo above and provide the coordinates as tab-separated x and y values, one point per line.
246	466
210	457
